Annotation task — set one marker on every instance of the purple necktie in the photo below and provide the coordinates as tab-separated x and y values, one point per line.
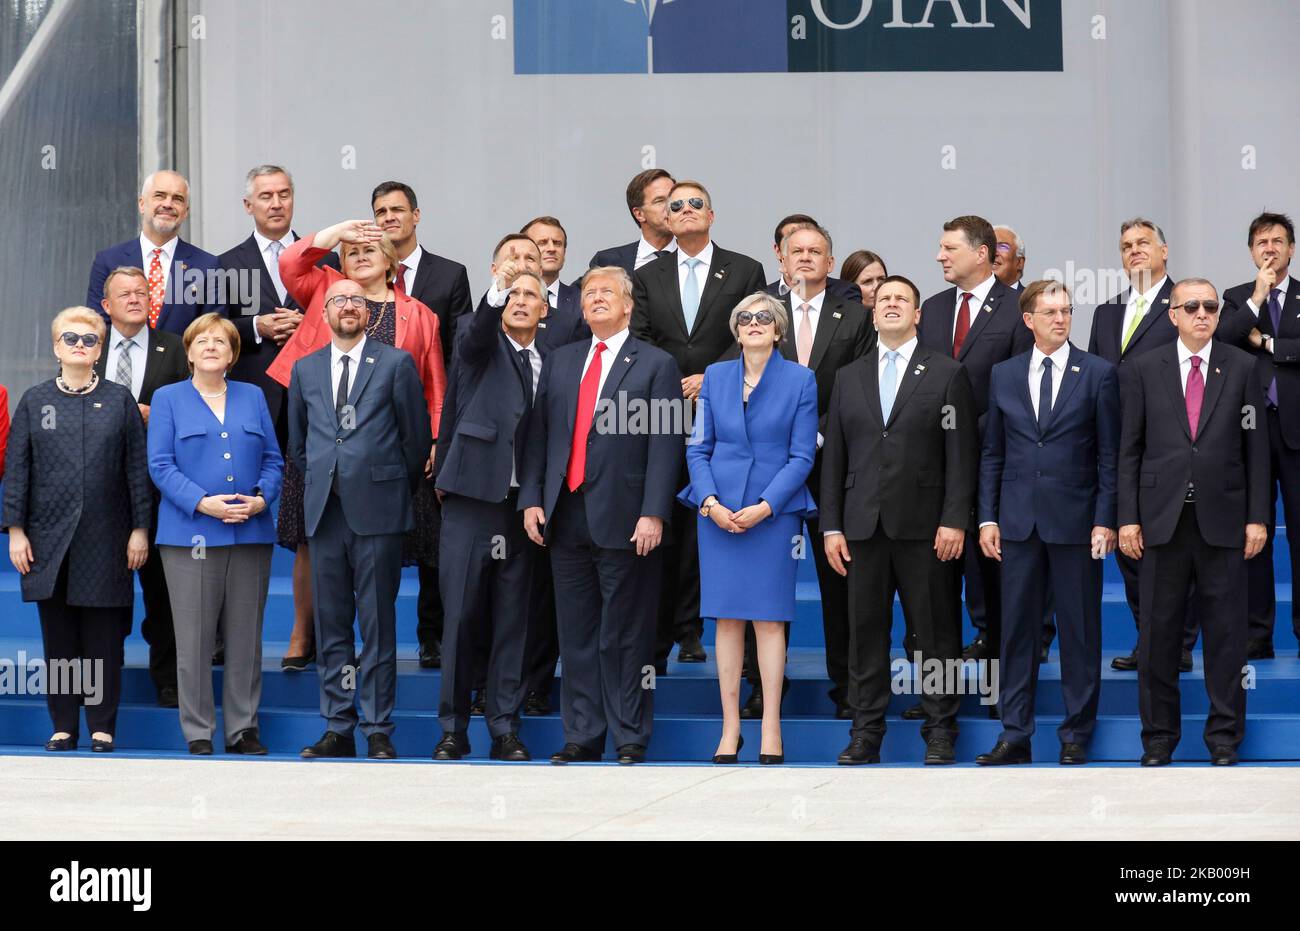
1274	314
1195	394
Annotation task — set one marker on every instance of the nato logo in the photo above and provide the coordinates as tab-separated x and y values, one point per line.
721	36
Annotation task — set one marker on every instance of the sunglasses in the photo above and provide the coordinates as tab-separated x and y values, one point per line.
89	340
761	317
339	301
1191	307
696	202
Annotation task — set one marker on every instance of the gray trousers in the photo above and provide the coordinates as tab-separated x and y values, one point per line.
226	588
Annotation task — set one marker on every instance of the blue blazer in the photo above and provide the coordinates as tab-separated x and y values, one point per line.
187	282
193	455
1062	481
622	256
760	452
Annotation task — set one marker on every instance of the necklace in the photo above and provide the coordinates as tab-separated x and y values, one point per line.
748	385
224	389
84	389
374	327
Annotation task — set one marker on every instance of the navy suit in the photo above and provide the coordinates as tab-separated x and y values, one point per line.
622	256
1046	489
188	281
835	287
605	594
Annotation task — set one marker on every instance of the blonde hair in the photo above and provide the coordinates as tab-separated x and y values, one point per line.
212	321
385	246
617	272
77	315
761	300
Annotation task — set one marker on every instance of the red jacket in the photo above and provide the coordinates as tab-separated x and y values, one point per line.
4	427
417	325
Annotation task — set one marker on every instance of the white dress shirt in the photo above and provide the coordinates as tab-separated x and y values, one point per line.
336	367
553	293
705	256
613	346
168	254
1060	359
272	263
814	312
535	365
1185	363
139	356
1282	282
1131	308
646	253
979	296
412	262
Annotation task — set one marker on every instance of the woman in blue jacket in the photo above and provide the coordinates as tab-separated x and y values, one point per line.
214	456
749	456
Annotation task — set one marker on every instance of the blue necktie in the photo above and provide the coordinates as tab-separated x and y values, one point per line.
888	384
1275	314
691	294
1045	395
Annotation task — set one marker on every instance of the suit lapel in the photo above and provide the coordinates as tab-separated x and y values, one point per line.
719	269
1173	380
982	313
618	367
327	378
154	352
831	315
365	368
668	281
1069	381
1159	307
1022	387
912	376
946	313
1214	378
1290	310
871	386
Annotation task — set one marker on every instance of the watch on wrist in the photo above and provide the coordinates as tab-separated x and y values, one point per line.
707	505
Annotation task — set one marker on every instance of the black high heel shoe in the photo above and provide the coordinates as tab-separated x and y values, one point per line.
771	759
730	758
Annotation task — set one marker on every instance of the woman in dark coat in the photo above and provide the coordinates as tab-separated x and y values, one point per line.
77	507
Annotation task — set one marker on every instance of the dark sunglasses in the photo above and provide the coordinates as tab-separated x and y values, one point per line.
1191	307
677	205
761	317
89	340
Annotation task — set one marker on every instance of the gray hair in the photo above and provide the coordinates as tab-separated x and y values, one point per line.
761	300
1020	243
819	230
617	272
148	179
259	171
1142	221
1190	281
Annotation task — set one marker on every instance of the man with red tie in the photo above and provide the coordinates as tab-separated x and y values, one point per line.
597	489
978	323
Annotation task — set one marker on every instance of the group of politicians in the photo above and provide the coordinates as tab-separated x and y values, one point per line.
582	472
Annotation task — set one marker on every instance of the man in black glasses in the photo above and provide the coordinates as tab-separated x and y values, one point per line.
682	304
1193	507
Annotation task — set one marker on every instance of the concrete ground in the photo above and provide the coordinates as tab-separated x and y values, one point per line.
124	798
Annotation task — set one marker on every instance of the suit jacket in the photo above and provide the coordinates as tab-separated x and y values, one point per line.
622	256
997	332
442	286
188	450
911	474
164	362
1228	462
837	287
563	324
1155	330
629	473
380	458
760	451
1060	481
657	316
187	282
255	357
1283	363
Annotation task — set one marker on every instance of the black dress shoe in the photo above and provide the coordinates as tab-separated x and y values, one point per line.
537	704
730	759
430	657
60	744
510	749
1223	756
452	747
1159	753
1073	755
1125	663
939	752
200	748
859	751
753	708
843	712
1260	648
979	648
1005	753
167	697
575	753
1185	661
631	753
247	744
379	747
691	650
101	746
297	663
913	713
219	656
331	744
479	705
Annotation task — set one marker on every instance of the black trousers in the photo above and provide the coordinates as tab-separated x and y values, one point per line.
157	626
1131	571
983	592
1219	573
679	589
92	639
543	649
1262	597
930	591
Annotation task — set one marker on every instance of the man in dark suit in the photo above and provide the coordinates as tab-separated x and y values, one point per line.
485	561
786	280
978	323
1193	500
1132	323
1009	260
143	360
682	304
552	243
359	431
1047	513
1273	338
599	495
897	495
647	201
181	283
562	321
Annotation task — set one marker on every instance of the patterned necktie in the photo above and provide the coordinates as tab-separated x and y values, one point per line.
123	374
888	384
963	324
1195	395
1274	314
691	294
155	289
1045	395
1133	324
273	268
400	284
587	392
803	339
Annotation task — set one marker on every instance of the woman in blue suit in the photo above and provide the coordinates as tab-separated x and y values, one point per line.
214	456
749	456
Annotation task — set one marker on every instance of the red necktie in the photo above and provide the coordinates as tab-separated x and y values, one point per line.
1195	394
587	393
400	284
155	289
963	325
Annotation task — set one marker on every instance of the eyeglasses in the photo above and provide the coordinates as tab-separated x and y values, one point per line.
89	340
1004	247
1059	312
1191	307
695	202
761	317
339	301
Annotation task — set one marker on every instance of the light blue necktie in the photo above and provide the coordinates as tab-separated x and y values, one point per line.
691	294
888	384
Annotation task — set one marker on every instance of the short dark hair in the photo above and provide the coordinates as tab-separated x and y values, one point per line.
636	188
509	237
979	232
857	261
388	187
1036	289
1265	220
916	292
792	218
545	221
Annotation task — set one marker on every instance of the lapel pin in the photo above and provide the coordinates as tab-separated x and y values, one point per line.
97	404
988	308
1164	300
1074	368
370	359
159	348
837	315
1217	372
542	324
627	358
719	274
